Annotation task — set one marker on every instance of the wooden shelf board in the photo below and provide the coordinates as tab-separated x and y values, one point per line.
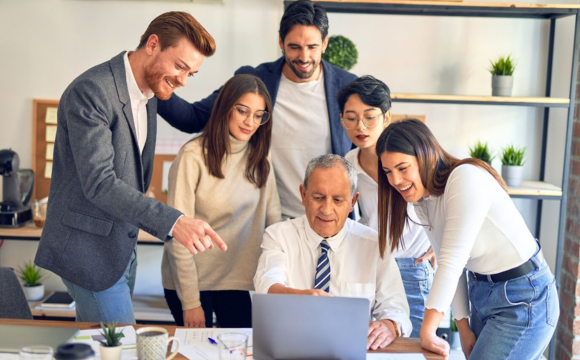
477	99
536	188
31	232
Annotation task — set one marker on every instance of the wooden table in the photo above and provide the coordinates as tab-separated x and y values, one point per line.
400	345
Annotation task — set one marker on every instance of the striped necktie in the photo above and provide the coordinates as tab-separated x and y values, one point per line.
322	279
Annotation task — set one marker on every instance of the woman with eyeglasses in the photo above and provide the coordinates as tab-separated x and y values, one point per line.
365	112
224	177
472	224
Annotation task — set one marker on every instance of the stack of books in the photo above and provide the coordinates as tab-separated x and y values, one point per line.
58	300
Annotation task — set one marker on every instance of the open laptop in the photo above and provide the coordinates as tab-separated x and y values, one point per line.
309	327
15	337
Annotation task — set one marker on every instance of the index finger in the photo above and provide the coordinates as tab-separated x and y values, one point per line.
215	237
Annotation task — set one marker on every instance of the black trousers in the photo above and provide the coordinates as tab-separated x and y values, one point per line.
233	308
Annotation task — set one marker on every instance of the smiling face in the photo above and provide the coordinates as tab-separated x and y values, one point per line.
360	135
327	200
403	174
240	124
303	48
169	69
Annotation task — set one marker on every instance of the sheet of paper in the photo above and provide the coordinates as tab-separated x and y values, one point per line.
383	356
129	342
50	115
49	151
48	169
195	343
165	180
50	133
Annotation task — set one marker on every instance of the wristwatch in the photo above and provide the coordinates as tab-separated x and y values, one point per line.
396	325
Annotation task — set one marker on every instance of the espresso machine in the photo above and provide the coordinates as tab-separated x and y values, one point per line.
17	186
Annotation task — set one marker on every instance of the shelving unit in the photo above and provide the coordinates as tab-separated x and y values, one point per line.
536	190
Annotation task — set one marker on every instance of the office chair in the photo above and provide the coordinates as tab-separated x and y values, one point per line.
13	304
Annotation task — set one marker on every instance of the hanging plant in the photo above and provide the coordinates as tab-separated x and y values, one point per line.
341	52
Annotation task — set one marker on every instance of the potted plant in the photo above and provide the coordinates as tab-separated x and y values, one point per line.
512	169
502	80
31	275
455	342
341	52
481	151
111	347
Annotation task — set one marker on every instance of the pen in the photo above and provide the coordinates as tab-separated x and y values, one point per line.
212	341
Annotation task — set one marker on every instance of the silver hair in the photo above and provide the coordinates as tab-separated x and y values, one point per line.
330	161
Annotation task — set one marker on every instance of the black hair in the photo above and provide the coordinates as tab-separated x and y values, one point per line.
371	90
304	12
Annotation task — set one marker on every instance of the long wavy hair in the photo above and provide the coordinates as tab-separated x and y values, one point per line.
215	135
412	137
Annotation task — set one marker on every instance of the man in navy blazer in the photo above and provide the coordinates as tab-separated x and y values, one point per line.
303	87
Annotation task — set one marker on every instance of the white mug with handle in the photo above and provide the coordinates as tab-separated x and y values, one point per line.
152	343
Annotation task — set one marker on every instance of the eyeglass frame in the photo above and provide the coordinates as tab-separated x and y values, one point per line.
251	114
361	119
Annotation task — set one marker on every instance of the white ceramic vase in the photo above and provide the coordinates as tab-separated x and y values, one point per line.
513	175
33	293
501	85
111	352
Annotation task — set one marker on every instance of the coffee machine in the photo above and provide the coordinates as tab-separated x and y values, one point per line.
17	186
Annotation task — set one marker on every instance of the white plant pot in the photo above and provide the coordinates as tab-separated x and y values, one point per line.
501	85
33	293
513	175
455	342
111	352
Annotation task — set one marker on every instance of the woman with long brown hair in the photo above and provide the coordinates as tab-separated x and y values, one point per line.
472	224
224	177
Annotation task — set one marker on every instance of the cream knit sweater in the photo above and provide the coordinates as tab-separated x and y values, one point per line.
235	208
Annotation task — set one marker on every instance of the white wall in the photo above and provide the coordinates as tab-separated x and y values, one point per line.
45	44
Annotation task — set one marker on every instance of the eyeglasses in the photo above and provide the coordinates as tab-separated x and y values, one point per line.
368	120
259	117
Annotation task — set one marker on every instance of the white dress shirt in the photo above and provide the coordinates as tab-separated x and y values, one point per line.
301	132
414	237
138	104
290	252
474	225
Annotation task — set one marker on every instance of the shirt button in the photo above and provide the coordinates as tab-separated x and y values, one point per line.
132	234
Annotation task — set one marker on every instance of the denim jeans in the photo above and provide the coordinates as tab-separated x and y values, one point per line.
417	281
112	304
514	319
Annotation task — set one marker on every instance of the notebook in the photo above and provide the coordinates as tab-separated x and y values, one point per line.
58	300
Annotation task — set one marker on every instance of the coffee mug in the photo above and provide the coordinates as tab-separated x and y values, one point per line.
152	343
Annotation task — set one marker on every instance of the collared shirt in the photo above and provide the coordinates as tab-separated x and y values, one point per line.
414	236
138	104
290	252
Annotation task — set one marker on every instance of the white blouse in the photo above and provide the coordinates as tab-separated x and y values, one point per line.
473	225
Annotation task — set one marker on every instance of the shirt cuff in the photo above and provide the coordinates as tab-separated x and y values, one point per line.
171	231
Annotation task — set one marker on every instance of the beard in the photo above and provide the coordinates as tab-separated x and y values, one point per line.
299	73
157	84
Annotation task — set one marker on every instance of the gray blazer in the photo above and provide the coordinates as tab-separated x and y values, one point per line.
96	202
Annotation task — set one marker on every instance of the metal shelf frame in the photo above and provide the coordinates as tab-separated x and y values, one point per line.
549	13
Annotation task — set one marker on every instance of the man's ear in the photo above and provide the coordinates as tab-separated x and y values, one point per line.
152	44
281	43
303	194
354	199
325	44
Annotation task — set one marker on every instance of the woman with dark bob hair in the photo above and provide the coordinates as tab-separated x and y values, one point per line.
472	224
224	177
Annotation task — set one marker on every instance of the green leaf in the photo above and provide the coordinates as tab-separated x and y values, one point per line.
504	65
481	151
341	52
513	156
112	337
30	274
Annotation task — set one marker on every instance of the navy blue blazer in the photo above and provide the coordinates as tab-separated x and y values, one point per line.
191	118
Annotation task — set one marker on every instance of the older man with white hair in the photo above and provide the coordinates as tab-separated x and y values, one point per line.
324	253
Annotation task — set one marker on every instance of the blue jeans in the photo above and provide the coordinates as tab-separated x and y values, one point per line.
417	281
514	319
112	304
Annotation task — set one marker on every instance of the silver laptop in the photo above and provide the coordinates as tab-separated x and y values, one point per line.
288	327
15	337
